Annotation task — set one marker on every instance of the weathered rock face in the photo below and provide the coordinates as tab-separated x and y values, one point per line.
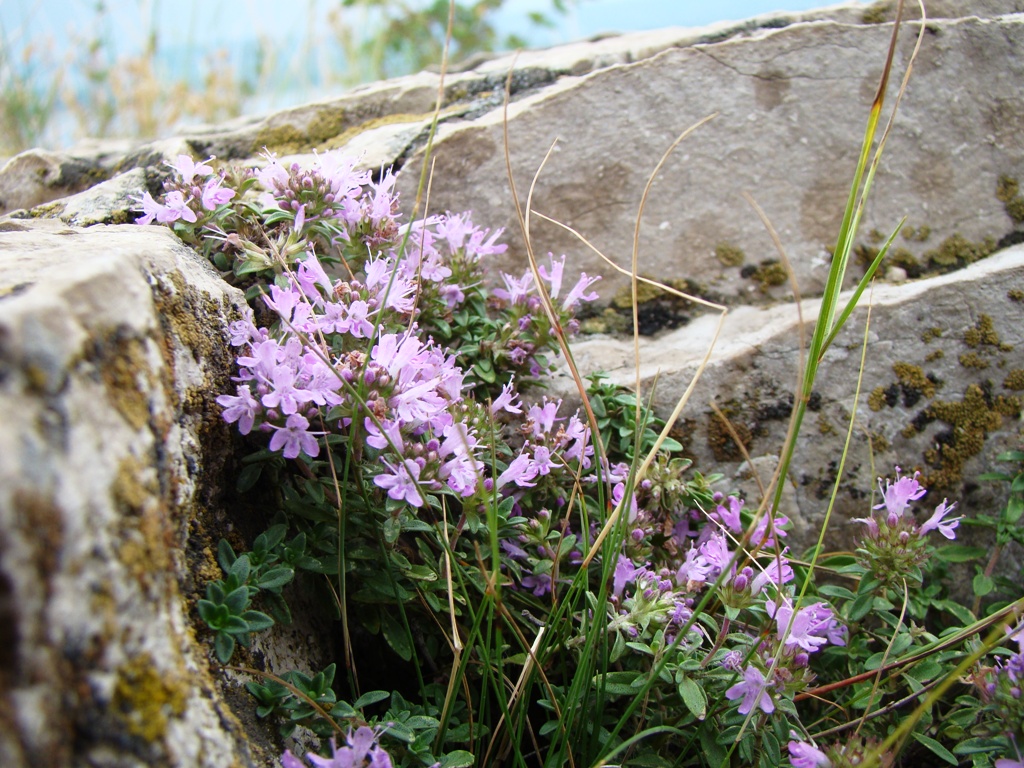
941	390
113	457
111	353
791	108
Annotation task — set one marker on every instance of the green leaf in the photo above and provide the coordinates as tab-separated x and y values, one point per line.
236	625
670	444
619	683
860	607
693	697
224	645
214	615
343	710
240	568
460	758
248	477
936	748
276	577
257	620
959	553
962	614
225	555
485	370
1015	507
370	697
549	727
238	599
392	529
834	590
982	585
396	636
977	746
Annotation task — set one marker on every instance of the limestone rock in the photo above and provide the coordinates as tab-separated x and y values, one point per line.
791	106
941	390
111	459
38	176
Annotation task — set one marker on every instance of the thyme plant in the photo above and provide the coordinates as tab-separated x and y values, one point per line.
392	400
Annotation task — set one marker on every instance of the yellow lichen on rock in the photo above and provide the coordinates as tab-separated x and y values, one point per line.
145	699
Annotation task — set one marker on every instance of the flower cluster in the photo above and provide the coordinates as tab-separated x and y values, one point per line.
194	194
803	754
386	387
779	664
361	750
1000	688
895	545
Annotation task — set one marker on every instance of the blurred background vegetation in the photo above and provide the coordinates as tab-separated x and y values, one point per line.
55	92
140	69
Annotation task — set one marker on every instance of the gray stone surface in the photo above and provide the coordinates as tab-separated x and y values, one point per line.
110	455
791	108
944	366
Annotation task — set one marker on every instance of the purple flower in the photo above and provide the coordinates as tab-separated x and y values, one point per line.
214	194
311	274
716	552
285	394
554	277
540	583
577	437
803	755
283	300
295	438
810	628
753	691
273	177
521	471
176	207
730	517
625	572
151	209
694	570
898	495
937	521
771	573
767	528
576	295
360	751
188	168
401	482
517	291
244	331
388	435
543	417
506	400
618	493
871	524
241	408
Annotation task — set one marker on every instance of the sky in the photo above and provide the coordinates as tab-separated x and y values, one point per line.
189	32
223	22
